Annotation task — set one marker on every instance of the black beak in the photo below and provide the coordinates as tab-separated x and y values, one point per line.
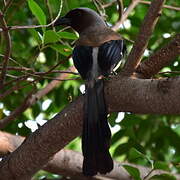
62	21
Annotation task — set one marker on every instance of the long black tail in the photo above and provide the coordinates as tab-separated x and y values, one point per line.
96	132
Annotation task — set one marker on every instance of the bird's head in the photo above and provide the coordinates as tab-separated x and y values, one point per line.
80	19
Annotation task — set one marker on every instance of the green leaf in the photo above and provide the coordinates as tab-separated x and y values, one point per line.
134	172
135	154
67	35
37	11
122	149
130	120
36	35
112	118
64	50
161	165
50	37
117	136
1	113
163	177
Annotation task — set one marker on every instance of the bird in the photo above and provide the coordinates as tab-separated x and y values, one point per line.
96	53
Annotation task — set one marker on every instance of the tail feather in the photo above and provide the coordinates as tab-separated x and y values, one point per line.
96	132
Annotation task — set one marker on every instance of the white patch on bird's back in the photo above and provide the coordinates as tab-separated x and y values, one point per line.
95	68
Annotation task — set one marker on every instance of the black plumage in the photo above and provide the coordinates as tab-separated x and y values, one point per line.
97	51
109	55
96	134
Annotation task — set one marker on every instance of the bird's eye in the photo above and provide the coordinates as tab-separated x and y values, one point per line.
78	13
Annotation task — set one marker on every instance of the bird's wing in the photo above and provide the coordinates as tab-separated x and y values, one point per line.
110	53
82	57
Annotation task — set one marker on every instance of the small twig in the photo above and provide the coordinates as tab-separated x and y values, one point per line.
60	62
14	88
17	87
36	74
7	38
42	75
35	26
125	15
100	8
22	78
120	8
150	172
14	61
12	76
17	111
8	4
170	72
49	9
165	6
17	80
57	79
143	37
12	68
59	71
109	4
33	98
5	2
143	2
160	58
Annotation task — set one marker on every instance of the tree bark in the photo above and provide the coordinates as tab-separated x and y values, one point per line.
122	94
69	163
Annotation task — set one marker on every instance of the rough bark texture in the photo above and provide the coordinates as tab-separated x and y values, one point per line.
39	147
69	163
143	96
122	94
143	37
160	59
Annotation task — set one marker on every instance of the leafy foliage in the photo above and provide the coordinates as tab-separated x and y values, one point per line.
151	140
134	172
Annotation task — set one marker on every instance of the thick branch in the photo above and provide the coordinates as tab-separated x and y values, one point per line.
143	37
69	163
161	58
122	94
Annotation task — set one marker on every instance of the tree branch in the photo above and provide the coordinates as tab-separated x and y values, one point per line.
120	9
7	38
69	163
165	6
18	86
161	58
143	2
125	15
7	6
32	99
143	37
122	94
35	26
